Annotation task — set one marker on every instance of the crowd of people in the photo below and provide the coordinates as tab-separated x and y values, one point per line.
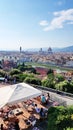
39	109
42	111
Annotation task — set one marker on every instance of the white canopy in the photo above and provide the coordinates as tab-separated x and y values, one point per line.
17	93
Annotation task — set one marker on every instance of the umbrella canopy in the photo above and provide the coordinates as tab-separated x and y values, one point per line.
17	93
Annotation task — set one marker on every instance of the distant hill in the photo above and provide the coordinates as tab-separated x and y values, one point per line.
65	49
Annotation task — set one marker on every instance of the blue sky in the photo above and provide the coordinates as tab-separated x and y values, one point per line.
35	24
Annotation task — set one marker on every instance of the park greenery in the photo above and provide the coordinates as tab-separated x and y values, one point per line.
60	118
28	74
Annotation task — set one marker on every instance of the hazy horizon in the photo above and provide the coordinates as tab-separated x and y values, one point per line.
36	24
30	49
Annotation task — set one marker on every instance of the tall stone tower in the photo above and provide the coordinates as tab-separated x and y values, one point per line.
20	49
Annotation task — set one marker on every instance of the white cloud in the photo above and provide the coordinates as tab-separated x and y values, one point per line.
61	18
43	23
59	13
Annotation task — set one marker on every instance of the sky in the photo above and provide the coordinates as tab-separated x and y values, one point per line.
35	24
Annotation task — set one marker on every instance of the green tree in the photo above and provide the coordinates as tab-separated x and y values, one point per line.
65	86
2	73
62	86
33	70
49	71
48	83
32	81
21	68
14	71
51	76
60	118
59	78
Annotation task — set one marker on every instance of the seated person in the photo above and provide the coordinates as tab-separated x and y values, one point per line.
5	116
43	99
11	126
47	98
43	113
17	126
2	127
32	120
29	102
37	109
35	128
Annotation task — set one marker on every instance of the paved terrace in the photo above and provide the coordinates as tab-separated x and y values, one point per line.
65	100
61	97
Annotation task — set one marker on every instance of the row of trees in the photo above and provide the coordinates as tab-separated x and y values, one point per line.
22	73
28	74
58	82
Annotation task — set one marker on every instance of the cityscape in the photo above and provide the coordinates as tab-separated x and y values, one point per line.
36	65
12	58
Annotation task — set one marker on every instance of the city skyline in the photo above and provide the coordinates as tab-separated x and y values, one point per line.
35	24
